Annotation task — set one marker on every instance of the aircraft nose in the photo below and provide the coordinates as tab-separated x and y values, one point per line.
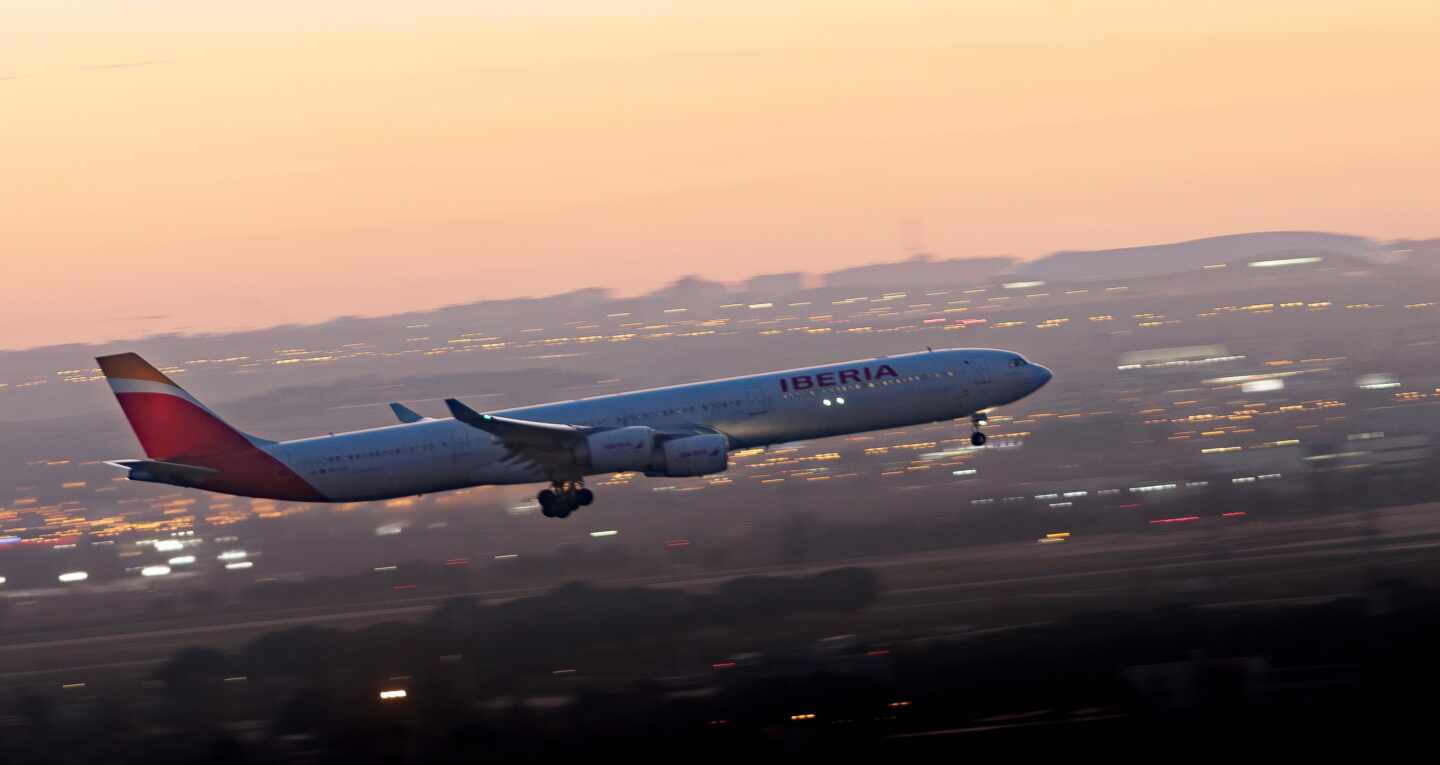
1042	376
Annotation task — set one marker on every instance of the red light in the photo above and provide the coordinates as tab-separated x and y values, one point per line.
1182	519
458	562
723	665
677	544
1235	514
879	652
403	587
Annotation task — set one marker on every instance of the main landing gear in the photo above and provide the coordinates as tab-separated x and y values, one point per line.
977	438
563	497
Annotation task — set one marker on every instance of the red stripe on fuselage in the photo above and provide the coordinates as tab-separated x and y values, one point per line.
175	430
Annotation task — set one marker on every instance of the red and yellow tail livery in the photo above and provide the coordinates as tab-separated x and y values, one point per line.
178	431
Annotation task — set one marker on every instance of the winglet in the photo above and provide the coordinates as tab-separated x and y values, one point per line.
464	413
404	413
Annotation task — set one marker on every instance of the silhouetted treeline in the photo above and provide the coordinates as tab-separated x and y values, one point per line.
580	672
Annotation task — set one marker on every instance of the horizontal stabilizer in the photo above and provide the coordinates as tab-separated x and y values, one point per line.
404	413
157	471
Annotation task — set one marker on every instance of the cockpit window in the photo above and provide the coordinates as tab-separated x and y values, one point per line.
1017	362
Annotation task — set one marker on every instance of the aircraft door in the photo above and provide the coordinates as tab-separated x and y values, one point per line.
461	450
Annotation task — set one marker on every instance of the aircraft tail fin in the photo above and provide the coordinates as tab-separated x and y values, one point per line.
169	423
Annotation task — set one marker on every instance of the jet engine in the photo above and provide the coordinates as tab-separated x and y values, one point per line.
619	450
690	455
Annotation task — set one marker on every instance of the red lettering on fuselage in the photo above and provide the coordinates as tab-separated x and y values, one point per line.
838	377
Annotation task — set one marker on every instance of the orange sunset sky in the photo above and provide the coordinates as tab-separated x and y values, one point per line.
172	164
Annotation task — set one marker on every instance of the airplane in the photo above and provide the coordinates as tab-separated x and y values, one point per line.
675	431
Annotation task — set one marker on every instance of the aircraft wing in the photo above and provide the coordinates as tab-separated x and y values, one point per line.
544	443
509	430
547	444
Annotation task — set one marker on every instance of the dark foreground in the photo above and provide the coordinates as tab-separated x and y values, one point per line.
1178	678
1229	640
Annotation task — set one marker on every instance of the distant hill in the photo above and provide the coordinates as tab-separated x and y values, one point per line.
1159	259
920	270
1423	254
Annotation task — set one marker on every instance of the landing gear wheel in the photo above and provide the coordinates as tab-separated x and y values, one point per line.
978	439
546	498
563	498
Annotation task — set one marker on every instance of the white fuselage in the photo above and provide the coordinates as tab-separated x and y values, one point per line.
755	410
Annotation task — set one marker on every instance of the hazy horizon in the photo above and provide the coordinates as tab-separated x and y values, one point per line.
229	168
162	325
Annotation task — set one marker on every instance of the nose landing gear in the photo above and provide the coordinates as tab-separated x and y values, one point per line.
977	438
563	498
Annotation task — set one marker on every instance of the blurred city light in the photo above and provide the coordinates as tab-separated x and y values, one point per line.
1284	262
1378	381
1263	386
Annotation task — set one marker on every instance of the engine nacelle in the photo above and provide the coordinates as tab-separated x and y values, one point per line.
691	455
618	450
